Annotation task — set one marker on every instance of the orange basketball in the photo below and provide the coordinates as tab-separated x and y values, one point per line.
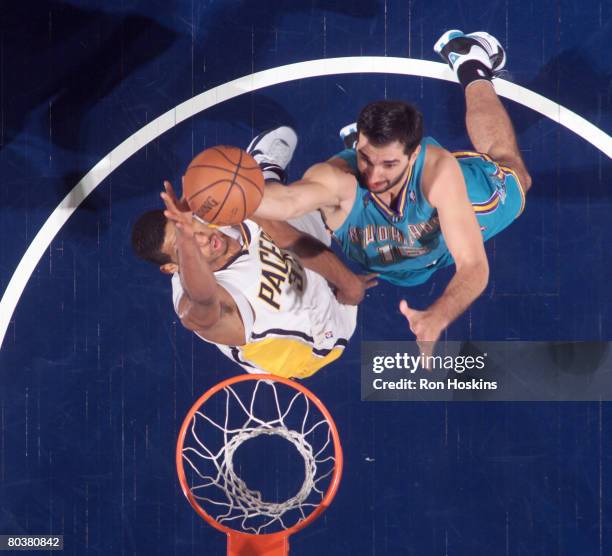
223	185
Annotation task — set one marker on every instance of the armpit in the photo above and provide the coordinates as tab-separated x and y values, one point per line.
341	165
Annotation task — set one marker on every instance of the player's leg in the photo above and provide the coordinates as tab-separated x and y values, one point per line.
273	150
490	129
477	58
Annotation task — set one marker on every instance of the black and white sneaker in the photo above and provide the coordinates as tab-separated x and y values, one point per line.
456	48
273	150
496	52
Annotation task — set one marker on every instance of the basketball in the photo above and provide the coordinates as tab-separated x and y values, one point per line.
223	185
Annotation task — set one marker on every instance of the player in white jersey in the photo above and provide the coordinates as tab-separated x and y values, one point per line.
293	324
234	287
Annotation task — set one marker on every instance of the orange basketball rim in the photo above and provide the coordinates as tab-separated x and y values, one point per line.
253	543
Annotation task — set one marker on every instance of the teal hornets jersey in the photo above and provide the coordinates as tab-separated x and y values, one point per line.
404	243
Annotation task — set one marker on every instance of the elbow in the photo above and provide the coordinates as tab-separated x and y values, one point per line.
476	274
481	275
188	324
195	315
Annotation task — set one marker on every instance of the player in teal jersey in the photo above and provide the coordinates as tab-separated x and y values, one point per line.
403	206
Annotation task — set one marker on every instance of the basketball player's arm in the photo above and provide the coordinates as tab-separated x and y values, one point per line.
448	194
316	256
318	189
204	306
200	306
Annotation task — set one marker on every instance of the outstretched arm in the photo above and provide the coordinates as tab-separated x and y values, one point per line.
448	194
314	255
205	307
200	306
317	189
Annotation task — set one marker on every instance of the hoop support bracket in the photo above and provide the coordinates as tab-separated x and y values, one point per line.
244	544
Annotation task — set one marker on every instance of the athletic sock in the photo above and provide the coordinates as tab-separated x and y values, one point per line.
273	172
473	70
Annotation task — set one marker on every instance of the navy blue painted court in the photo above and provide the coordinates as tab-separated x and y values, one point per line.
96	372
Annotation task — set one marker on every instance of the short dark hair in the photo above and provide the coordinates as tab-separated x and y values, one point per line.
148	235
385	121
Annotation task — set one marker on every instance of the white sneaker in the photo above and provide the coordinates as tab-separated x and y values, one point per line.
274	146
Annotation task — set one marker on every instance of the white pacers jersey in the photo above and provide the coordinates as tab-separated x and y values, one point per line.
293	323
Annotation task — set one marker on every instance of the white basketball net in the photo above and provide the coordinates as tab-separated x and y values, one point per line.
215	481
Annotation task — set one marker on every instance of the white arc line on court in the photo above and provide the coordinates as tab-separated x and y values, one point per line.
247	84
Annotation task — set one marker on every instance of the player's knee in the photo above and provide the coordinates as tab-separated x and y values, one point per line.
517	165
525	180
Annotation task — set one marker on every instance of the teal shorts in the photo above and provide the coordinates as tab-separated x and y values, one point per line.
495	193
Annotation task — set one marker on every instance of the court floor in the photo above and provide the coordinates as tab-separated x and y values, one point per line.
96	373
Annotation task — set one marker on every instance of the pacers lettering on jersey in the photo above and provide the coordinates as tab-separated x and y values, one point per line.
277	267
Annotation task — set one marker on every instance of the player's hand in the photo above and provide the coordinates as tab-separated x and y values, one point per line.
425	325
353	293
181	203
183	219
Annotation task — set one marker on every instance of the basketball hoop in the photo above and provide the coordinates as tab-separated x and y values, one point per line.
237	414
